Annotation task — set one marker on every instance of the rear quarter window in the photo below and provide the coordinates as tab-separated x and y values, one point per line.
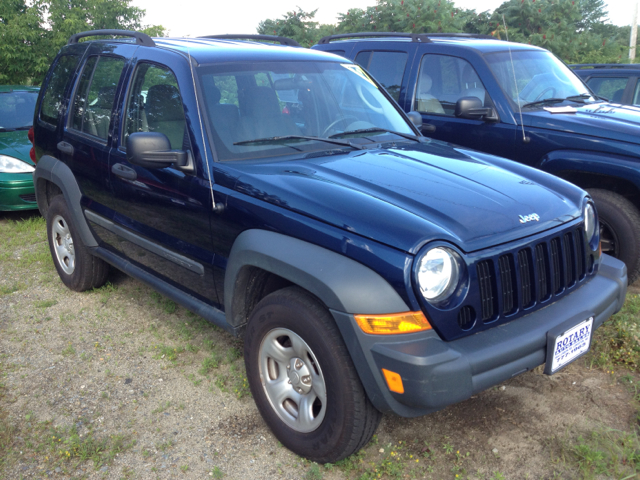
53	100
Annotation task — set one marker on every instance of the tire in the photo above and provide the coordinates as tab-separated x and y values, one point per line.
78	269
291	328
619	229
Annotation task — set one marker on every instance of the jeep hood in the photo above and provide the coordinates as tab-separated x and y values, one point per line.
604	120
409	195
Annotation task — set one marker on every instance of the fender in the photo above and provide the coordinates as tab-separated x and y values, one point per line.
58	173
596	163
341	283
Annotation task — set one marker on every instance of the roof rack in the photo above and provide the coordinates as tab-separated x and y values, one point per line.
271	38
415	37
580	66
141	38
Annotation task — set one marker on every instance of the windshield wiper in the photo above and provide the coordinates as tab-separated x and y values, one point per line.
542	102
268	140
582	97
408	136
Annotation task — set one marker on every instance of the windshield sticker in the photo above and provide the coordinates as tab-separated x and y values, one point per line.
567	109
358	71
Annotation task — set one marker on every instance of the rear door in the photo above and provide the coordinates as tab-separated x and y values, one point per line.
161	216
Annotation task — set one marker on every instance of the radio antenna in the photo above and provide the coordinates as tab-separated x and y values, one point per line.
216	207
525	139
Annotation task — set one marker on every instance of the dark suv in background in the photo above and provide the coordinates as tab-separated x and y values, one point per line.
616	82
279	193
519	102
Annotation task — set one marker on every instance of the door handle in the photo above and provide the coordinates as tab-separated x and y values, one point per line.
123	171
428	128
65	147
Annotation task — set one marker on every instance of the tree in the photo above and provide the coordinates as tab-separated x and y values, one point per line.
297	25
33	33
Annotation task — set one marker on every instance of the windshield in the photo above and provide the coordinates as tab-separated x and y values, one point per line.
539	76
250	106
16	109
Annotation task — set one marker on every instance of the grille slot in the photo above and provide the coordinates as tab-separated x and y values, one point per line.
527	288
29	197
485	280
467	318
569	261
542	270
556	263
580	253
508	283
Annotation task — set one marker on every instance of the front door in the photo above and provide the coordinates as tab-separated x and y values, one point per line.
442	81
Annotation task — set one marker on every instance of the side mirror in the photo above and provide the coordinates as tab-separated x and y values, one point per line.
153	150
415	118
471	108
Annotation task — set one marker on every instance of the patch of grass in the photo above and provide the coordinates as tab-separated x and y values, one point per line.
105	292
210	363
45	303
69	350
617	342
37	258
166	305
164	446
605	453
234	382
10	288
162	407
314	472
217	473
167	352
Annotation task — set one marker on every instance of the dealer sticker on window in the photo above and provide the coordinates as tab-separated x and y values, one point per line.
569	345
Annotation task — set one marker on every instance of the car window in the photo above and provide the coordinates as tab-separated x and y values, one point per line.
611	88
95	95
53	100
636	95
258	101
386	67
442	81
16	109
155	105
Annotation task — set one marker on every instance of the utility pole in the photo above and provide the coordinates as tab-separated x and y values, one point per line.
634	33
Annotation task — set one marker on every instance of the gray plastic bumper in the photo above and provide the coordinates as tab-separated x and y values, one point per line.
436	373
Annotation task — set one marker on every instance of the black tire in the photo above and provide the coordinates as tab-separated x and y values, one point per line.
78	269
348	420
619	228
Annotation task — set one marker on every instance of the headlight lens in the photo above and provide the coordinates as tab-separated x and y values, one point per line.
438	274
13	165
589	222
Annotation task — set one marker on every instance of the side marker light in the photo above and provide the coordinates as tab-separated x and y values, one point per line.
394	381
393	323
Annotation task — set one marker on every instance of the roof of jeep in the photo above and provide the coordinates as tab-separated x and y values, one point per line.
208	50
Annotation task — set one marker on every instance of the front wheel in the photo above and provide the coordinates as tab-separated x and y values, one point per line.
303	379
619	229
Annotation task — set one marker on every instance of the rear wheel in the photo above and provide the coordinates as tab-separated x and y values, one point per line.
78	269
619	229
303	379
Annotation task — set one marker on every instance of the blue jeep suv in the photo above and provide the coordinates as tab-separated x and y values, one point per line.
279	193
519	102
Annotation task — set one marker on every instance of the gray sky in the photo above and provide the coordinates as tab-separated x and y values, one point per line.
195	17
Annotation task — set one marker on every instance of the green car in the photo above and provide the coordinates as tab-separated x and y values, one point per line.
17	104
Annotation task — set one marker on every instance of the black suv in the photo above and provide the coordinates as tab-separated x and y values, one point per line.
617	82
279	193
519	102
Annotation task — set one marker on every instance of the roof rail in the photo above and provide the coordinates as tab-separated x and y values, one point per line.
273	38
580	66
415	37
141	38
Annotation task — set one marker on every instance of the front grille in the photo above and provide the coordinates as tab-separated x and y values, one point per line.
530	275
29	197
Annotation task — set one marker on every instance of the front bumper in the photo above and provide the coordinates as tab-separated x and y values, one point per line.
17	192
436	373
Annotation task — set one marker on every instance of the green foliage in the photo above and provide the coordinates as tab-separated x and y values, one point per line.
572	29
33	32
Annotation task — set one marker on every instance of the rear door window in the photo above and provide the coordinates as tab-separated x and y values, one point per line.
53	100
95	95
386	67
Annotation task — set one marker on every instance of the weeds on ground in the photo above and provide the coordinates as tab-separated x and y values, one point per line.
165	304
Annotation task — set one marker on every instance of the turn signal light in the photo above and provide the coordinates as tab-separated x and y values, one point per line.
407	322
394	381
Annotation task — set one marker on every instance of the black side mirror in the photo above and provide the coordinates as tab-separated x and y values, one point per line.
153	150
471	108
415	118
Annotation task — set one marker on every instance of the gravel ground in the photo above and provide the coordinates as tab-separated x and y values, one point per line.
122	383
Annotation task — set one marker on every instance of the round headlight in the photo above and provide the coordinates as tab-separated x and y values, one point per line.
589	222
438	274
13	165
